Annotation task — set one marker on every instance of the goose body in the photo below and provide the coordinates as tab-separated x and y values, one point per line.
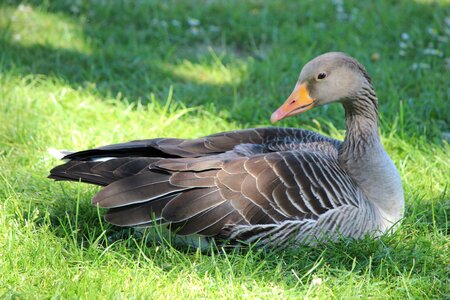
269	185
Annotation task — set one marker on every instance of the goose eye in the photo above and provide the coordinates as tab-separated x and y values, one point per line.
321	75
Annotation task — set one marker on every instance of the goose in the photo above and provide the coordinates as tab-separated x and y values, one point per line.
268	186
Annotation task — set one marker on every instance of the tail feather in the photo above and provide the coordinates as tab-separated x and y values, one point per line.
100	172
81	172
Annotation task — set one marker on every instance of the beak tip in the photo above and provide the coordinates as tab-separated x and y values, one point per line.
298	102
274	118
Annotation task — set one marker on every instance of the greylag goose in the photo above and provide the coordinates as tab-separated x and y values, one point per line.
268	186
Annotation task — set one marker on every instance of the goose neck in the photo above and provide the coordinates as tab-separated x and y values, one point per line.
361	117
363	156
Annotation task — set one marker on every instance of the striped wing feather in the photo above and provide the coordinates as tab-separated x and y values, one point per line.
250	179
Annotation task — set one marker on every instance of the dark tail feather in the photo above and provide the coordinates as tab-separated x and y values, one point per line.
100	172
78	171
142	148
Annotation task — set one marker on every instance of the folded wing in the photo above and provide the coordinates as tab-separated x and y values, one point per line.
208	185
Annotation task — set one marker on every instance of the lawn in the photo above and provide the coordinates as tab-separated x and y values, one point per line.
78	74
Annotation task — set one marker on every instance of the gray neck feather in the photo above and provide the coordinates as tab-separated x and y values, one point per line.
361	116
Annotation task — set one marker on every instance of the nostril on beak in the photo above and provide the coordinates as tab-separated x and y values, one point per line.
293	101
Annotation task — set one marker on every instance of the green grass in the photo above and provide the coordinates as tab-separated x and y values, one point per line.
78	74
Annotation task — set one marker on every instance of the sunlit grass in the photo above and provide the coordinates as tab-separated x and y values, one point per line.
77	74
215	73
28	26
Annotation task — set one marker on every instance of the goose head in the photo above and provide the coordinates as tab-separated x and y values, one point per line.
330	77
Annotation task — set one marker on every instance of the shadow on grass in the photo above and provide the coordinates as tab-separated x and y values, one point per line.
127	75
131	57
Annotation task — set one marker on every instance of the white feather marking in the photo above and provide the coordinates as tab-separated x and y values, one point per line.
102	158
58	154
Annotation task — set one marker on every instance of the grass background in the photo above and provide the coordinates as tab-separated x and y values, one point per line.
78	74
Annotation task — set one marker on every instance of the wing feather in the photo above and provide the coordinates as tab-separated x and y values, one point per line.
219	185
138	214
191	203
138	188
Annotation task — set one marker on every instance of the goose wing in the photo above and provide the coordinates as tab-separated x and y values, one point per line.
266	139
209	185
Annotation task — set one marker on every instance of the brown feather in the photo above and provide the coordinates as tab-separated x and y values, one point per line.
191	203
138	214
135	189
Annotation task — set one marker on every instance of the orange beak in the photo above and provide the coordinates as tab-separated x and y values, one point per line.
299	101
